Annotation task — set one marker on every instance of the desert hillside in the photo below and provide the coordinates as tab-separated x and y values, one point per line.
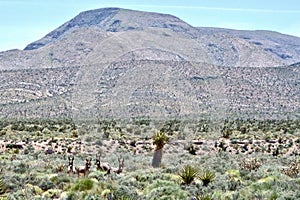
120	63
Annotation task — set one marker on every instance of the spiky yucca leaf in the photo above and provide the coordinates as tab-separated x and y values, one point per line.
2	186
188	174
206	177
204	197
160	139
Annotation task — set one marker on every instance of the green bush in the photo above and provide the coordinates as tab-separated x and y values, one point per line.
124	192
21	168
165	190
83	185
46	184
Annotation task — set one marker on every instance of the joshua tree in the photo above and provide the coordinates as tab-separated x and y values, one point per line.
159	139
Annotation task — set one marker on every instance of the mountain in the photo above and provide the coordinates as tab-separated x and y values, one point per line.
286	47
120	63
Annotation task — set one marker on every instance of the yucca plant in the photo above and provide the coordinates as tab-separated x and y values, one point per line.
204	197
159	140
206	177
124	197
188	174
2	186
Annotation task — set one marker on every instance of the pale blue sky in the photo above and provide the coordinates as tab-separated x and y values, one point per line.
24	21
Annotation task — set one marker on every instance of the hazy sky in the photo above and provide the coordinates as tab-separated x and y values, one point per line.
24	21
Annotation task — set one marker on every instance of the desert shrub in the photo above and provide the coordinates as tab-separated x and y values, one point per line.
188	174
89	139
164	190
46	184
59	168
141	122
74	134
142	178
21	168
89	196
250	164
14	182
233	179
98	142
206	177
18	126
226	132
72	196
33	128
46	131
124	192
243	129
31	178
83	185
191	149
293	169
98	175
51	194
170	126
61	181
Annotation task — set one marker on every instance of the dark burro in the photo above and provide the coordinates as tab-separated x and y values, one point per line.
118	63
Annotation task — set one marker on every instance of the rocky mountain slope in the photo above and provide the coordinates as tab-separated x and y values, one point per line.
286	47
120	63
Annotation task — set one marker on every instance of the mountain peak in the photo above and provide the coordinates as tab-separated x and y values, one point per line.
115	20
